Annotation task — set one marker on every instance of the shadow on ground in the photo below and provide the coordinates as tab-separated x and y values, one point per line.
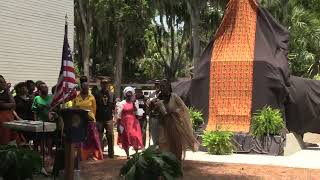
195	170
110	168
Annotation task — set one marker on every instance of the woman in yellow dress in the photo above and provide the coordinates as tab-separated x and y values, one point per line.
91	146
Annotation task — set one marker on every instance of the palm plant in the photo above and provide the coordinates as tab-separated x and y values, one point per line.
302	20
152	164
18	164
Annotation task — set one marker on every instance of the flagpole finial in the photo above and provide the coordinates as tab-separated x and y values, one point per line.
66	18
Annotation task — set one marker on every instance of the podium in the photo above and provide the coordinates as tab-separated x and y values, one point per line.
75	130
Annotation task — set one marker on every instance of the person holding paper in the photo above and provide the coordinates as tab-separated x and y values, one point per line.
129	130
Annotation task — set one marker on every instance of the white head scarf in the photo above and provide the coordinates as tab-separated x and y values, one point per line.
128	89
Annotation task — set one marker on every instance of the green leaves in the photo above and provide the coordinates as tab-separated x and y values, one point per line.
152	164
218	142
267	122
196	118
18	164
302	18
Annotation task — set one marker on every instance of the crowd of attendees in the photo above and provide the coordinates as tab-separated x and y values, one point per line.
170	124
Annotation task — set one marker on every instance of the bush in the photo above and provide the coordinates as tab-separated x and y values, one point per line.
218	142
267	121
152	164
18	164
196	118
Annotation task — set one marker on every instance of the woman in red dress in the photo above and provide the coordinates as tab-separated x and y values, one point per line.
129	131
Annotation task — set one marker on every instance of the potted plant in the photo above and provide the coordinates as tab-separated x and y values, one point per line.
266	122
266	127
196	118
152	164
218	142
18	164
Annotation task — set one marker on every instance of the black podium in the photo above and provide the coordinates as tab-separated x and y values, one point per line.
75	130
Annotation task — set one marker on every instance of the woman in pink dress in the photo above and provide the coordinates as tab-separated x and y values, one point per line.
129	131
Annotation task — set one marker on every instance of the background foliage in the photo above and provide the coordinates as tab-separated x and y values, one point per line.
164	38
196	118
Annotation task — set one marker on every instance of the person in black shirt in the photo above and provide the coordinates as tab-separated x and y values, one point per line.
105	105
23	108
31	86
23	102
142	119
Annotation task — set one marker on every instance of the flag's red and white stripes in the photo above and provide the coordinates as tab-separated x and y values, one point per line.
66	86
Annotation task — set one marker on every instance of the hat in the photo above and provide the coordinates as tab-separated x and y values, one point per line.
128	89
157	81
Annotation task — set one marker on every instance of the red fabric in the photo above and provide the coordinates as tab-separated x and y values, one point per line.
6	135
131	135
92	144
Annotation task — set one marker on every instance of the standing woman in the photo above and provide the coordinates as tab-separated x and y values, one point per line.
7	106
91	146
175	131
41	107
23	108
128	125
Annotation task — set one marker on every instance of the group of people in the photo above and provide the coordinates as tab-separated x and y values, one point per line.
28	101
170	123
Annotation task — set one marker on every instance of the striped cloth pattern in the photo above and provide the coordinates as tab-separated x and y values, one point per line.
66	86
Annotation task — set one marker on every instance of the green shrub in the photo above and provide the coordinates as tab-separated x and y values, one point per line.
267	121
18	164
218	142
152	164
196	118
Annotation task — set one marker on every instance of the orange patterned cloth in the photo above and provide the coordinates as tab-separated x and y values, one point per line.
231	71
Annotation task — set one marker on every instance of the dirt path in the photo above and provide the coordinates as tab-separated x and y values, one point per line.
109	169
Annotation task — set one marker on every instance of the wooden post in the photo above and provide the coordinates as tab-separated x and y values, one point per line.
69	161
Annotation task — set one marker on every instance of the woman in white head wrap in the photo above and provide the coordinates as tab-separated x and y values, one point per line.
128	125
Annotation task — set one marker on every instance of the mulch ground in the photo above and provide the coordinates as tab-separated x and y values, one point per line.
195	170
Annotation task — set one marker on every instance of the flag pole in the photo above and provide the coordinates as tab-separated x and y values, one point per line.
66	31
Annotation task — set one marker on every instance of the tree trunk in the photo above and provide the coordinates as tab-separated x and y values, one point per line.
86	55
120	51
94	51
194	12
85	16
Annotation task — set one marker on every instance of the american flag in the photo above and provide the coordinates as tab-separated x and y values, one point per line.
66	86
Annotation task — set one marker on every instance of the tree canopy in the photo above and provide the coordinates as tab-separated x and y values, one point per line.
136	40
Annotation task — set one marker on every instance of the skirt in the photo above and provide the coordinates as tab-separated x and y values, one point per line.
92	146
7	134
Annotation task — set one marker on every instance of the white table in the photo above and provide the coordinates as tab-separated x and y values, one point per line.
31	126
